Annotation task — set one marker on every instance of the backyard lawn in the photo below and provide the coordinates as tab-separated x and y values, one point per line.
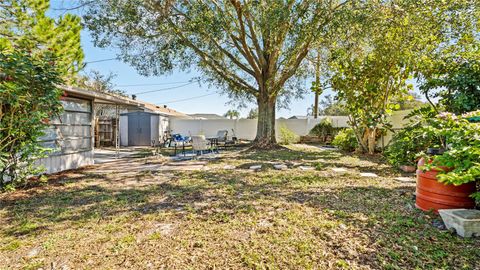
209	215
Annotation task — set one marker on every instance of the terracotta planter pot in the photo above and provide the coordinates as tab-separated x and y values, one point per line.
433	195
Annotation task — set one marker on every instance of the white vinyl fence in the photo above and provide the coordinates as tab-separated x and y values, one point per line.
246	129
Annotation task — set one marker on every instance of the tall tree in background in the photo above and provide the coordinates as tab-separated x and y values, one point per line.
252	114
372	65
451	73
251	49
232	114
98	82
316	60
24	23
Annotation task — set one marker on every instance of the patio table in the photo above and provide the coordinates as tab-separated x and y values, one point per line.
213	143
168	142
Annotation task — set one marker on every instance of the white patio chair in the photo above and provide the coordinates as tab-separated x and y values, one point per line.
200	144
223	139
222	135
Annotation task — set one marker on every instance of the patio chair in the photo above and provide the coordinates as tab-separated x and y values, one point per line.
200	144
222	135
223	138
179	140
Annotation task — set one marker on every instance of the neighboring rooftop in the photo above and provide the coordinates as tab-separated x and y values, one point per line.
206	116
300	117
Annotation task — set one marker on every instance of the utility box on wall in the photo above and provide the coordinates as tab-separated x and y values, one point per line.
142	128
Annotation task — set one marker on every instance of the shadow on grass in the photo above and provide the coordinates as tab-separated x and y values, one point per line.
384	218
286	154
321	159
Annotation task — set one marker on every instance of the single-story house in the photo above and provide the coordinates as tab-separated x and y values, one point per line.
71	134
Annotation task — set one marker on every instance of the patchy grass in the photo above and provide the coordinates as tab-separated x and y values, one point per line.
219	218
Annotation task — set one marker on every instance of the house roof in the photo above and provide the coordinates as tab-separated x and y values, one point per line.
106	98
162	109
206	116
98	97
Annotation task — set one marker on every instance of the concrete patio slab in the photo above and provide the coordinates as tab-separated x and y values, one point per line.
106	155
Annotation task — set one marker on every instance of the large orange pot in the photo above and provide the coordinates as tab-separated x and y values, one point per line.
433	195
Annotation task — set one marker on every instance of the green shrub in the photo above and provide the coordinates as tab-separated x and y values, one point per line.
29	98
461	141
324	128
408	142
287	136
346	140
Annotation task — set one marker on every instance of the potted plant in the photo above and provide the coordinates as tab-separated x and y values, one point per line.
448	179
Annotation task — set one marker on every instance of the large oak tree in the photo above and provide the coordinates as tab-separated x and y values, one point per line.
250	49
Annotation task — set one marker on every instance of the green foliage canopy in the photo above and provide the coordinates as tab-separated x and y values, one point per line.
30	98
24	24
457	84
253	50
372	68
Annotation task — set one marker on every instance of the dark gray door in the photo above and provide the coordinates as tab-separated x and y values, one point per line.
139	129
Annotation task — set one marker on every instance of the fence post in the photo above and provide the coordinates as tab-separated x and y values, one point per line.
306	126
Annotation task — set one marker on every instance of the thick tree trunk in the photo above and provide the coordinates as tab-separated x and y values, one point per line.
369	140
266	123
372	140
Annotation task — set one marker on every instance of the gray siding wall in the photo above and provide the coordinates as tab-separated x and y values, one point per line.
155	128
58	163
70	137
123	130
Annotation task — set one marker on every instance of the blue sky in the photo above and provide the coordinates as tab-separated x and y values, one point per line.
126	75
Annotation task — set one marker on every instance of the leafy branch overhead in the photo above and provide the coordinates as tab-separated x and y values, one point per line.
251	49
